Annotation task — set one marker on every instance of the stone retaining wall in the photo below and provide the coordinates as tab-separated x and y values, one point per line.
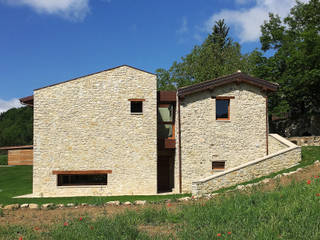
284	158
306	141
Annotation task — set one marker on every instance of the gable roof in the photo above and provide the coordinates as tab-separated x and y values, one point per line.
236	77
109	69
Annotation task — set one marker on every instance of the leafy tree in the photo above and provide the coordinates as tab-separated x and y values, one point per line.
295	64
218	55
16	127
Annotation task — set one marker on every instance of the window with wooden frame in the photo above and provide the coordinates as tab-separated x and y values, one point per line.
218	165
166	126
82	179
136	106
79	178
223	108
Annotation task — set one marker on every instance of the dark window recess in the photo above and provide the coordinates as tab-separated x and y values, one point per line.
136	106
223	109
219	165
82	179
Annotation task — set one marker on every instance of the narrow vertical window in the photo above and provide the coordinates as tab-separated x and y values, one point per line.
223	108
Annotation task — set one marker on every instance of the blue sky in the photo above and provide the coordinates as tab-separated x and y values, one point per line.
47	41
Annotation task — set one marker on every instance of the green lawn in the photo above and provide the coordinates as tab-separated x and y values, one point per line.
17	180
3	159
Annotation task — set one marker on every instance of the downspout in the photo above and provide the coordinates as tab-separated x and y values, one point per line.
267	124
179	147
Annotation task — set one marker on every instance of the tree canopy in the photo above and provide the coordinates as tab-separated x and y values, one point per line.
218	55
295	64
16	127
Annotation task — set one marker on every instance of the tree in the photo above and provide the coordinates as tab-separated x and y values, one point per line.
295	64
16	127
218	55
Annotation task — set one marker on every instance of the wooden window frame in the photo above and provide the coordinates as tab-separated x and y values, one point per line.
136	100
223	98
173	118
60	174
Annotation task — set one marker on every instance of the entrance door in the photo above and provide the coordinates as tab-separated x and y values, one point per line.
165	173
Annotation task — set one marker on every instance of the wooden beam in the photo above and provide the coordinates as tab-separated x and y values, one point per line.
136	100
223	97
89	172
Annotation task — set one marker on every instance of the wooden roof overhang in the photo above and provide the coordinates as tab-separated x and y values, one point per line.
27	100
233	78
17	147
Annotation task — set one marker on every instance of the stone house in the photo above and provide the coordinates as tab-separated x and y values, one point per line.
113	133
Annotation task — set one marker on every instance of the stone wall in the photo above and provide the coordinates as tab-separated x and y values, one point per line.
306	141
86	124
275	144
205	139
278	161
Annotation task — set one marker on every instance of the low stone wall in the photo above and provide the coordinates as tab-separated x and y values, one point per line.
286	157
306	141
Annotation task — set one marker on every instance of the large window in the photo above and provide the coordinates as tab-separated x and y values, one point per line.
222	109
82	179
166	121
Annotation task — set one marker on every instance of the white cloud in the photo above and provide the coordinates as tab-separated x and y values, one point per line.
247	21
6	105
75	10
184	26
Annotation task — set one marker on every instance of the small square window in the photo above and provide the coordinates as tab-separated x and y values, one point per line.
223	109
136	106
218	165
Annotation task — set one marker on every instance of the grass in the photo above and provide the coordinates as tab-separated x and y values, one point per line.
290	212
3	160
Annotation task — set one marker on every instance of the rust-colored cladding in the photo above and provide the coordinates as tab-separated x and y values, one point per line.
167	96
169	143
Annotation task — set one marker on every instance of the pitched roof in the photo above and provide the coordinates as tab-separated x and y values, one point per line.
236	77
109	69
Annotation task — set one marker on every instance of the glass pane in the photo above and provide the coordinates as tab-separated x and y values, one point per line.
165	130
165	113
222	108
136	106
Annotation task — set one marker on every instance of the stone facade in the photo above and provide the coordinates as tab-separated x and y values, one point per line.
205	139
275	144
285	158
86	124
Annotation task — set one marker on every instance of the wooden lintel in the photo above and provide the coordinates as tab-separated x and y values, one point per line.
136	99
223	97
89	172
